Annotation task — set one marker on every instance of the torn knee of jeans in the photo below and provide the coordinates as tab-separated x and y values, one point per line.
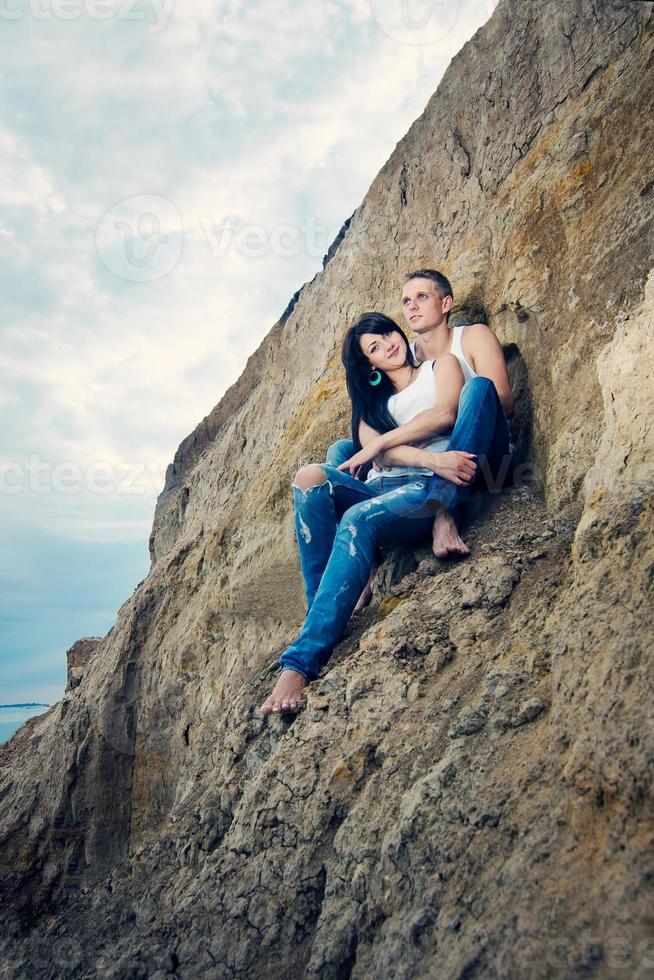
314	486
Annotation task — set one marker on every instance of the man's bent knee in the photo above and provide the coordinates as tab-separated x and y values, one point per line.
478	385
309	476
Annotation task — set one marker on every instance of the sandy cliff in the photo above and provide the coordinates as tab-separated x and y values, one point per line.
468	792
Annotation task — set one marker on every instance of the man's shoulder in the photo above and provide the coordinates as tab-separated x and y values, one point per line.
478	328
478	333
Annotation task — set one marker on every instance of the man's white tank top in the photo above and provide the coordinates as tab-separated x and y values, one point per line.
456	348
417	397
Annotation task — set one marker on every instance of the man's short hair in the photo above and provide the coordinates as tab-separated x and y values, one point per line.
441	282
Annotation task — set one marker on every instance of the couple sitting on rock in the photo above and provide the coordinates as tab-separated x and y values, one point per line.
432	418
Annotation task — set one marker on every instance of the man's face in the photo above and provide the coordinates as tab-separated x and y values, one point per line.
422	305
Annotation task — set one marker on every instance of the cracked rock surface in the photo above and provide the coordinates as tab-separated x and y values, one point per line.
467	791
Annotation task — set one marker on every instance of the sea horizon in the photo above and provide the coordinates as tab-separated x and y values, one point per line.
27	704
12	716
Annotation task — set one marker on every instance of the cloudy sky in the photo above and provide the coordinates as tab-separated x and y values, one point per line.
171	171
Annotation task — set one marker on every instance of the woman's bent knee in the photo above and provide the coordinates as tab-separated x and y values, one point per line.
339	452
309	476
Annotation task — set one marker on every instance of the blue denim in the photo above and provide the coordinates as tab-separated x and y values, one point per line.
481	428
339	523
339	452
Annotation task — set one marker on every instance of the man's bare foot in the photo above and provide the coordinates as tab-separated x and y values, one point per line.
286	694
446	540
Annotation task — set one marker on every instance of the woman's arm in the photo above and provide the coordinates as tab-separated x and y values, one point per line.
398	456
449	381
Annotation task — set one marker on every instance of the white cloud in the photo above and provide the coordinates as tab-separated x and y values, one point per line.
23	182
106	350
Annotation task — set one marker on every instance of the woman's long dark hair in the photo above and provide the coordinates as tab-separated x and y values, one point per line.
369	403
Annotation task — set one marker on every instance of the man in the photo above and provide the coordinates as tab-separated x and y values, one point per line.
485	403
427	300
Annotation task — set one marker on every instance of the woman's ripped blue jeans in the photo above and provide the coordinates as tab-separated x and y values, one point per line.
338	525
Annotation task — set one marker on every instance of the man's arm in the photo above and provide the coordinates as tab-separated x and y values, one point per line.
487	358
456	466
449	381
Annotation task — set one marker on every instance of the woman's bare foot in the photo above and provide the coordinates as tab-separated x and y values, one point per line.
446	540
286	694
366	595
364	598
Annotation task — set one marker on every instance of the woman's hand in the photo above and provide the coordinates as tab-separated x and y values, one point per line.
365	455
455	466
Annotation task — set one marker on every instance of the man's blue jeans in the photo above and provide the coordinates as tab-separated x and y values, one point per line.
338	524
480	428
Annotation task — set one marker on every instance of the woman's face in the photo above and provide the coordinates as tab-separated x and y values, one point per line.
384	351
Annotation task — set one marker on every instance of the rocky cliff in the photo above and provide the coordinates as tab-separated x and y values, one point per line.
468	792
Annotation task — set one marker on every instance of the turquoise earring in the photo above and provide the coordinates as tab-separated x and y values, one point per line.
374	378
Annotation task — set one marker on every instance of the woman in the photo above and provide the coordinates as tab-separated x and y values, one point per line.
339	520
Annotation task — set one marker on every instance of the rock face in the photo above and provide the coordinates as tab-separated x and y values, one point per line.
78	657
468	792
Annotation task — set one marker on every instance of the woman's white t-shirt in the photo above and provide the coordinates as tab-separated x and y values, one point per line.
417	397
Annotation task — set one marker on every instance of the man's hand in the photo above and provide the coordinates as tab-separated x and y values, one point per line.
455	466
379	465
